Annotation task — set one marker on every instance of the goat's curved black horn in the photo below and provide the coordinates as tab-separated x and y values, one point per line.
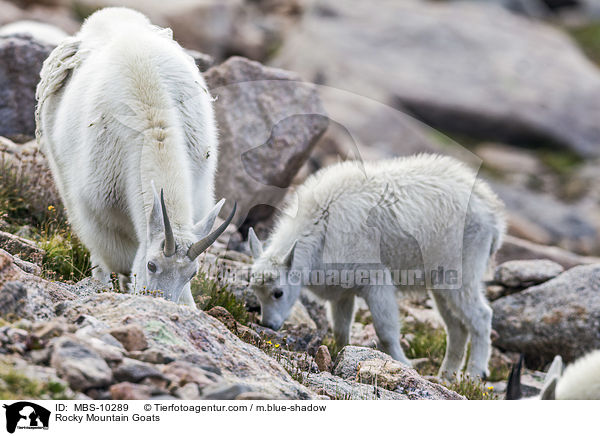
200	247
169	248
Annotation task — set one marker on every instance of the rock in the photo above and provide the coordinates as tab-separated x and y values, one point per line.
226	392
151	356
568	225
25	249
519	249
130	391
216	27
524	273
21	60
299	317
225	317
182	373
349	358
41	32
499	57
79	365
323	359
363	335
560	316
42	295
131	336
190	335
111	354
135	371
189	391
337	388
263	114
395	376
12	299
507	159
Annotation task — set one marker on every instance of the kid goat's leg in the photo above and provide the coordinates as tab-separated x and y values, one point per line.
382	303
456	336
342	313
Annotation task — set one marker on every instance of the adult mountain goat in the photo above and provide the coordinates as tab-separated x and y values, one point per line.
414	224
122	115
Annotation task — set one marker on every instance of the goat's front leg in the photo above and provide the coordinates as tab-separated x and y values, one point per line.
342	314
382	303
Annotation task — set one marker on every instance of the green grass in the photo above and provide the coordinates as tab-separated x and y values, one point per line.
472	389
16	386
588	39
428	342
209	293
23	203
66	258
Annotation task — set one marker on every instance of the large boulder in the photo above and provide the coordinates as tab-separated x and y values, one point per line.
217	27
21	59
523	273
514	248
561	316
467	67
268	123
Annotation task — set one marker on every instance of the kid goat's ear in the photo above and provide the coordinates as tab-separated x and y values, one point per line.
289	256
256	247
204	226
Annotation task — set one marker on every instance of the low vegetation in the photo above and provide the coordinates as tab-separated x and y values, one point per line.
208	293
17	386
25	208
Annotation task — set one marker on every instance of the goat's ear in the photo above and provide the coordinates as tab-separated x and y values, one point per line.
289	256
554	373
155	223
204	226
549	390
256	247
556	369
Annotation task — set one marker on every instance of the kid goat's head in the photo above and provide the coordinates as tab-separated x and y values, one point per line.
169	263
275	282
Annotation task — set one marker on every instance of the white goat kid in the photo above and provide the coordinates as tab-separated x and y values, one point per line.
122	107
425	214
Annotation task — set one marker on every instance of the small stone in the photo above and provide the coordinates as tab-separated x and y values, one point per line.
79	365
130	391
230	392
134	371
182	373
52	329
151	355
131	336
255	396
323	359
189	391
349	358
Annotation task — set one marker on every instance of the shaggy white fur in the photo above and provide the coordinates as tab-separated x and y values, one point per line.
121	105
425	217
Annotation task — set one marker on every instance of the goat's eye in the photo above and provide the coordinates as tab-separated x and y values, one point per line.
277	293
151	267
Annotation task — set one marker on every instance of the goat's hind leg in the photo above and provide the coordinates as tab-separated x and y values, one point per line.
456	336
